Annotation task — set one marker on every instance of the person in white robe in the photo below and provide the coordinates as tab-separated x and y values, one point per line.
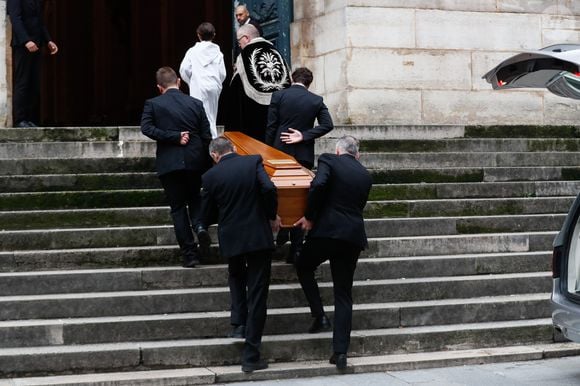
203	69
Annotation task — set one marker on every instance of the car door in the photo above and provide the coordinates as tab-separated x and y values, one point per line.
566	276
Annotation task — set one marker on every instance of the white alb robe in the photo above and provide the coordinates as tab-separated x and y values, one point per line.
203	69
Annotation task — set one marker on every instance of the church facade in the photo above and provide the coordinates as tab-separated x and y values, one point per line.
395	62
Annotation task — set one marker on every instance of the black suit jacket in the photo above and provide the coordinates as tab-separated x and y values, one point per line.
164	118
296	107
238	193
337	197
27	23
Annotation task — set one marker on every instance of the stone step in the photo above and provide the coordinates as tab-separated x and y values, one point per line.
79	218
279	348
474	190
83	199
77	331
467	207
429	132
468	159
375	227
126	181
381	208
362	132
10	167
51	166
522	131
64	150
461	244
207	299
133	133
145	147
165	255
379	230
78	182
380	247
154	278
462	174
60	134
294	370
392	160
429	226
327	145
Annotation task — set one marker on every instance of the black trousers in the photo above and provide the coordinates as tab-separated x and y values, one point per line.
343	257
249	280
182	191
26	84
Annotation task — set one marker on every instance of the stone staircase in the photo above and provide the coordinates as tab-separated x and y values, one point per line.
460	224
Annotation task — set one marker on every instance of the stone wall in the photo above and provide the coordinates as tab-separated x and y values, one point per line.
421	62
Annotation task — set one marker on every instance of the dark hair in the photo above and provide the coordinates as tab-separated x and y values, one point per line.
206	31
166	77
302	75
221	145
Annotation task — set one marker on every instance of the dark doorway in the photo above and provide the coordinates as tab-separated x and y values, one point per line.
109	51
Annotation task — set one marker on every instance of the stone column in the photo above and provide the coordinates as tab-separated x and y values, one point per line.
5	68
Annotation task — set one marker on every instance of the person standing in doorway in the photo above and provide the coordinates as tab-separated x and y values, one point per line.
336	232
203	69
179	125
29	35
291	117
243	17
238	195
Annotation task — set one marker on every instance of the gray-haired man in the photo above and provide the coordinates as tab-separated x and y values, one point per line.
335	225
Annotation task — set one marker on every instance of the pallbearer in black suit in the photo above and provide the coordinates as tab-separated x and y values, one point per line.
29	35
238	195
179	125
291	129
335	225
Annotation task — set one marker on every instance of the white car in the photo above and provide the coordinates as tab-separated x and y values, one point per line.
556	68
566	274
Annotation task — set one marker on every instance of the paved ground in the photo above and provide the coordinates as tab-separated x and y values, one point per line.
550	372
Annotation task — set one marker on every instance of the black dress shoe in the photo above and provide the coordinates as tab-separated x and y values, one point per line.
248	367
238	332
339	360
190	262
320	324
23	124
204	241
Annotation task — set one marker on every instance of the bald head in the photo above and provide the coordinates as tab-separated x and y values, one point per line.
242	14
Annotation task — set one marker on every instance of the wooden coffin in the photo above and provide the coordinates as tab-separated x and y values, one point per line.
291	179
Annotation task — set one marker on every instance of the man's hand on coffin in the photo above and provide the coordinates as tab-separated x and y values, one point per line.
304	224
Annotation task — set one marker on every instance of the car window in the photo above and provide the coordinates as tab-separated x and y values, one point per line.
574	261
